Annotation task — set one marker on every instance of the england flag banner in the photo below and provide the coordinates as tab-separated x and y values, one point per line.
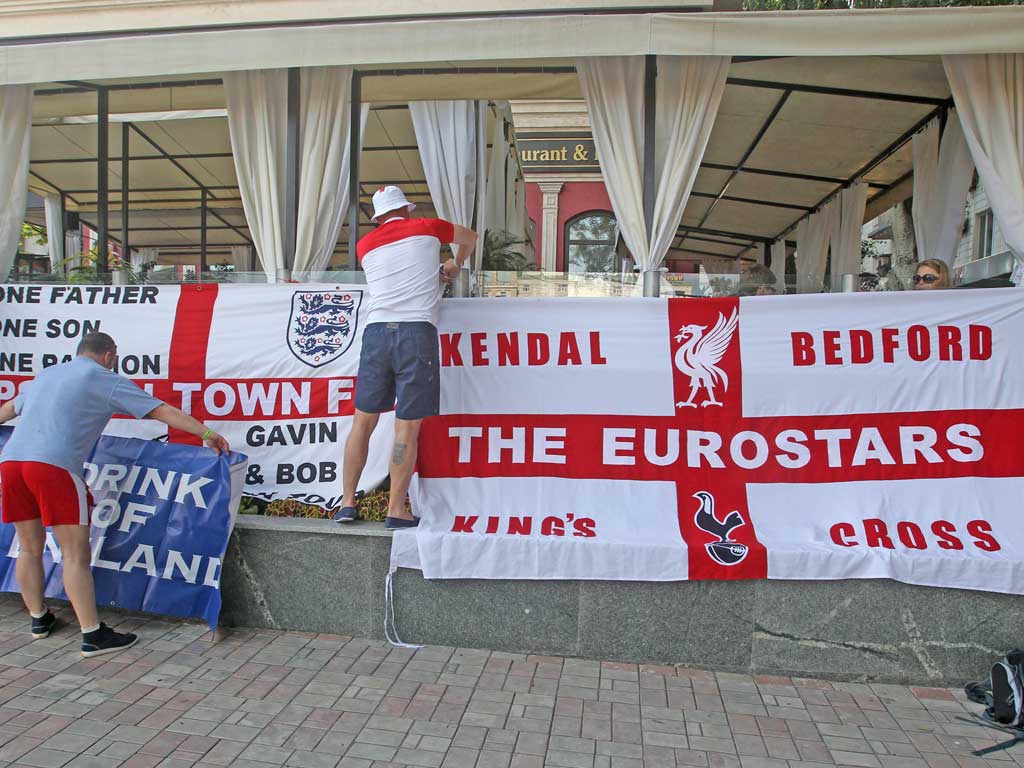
159	527
271	367
806	437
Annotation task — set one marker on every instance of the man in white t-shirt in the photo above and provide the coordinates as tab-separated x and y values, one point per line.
399	366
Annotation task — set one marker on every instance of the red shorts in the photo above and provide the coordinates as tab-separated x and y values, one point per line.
30	490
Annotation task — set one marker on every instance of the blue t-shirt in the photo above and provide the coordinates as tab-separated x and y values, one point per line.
64	410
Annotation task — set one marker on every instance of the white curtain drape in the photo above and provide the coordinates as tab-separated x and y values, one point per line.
689	90
15	134
496	209
988	90
517	219
447	136
779	264
241	257
54	229
326	107
141	256
942	180
258	123
847	222
812	238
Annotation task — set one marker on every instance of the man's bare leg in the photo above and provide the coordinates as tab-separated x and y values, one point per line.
403	461
356	448
29	568
77	561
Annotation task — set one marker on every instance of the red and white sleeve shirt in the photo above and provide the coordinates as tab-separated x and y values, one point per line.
401	259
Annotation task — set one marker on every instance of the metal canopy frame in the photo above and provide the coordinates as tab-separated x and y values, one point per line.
207	195
942	106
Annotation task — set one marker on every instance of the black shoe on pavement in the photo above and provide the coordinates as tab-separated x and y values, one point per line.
106	640
43	626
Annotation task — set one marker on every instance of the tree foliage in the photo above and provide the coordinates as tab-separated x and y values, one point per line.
32	232
500	252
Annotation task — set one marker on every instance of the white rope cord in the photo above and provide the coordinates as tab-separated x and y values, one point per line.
389	614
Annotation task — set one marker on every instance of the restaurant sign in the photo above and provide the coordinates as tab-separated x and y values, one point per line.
551	153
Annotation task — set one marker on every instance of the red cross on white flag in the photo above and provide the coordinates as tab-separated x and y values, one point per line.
808	437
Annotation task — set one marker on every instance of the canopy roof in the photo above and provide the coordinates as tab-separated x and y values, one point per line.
790	132
479	35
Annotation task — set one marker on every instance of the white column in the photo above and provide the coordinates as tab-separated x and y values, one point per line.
549	225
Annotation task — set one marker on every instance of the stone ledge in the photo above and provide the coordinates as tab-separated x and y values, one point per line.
287	574
308	525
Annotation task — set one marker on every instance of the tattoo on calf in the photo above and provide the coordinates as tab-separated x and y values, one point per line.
398	454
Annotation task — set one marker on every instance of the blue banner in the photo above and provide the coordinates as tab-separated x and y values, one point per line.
160	526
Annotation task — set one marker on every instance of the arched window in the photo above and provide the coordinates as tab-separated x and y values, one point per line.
590	242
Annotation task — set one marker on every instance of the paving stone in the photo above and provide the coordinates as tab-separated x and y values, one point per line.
371	751
419	757
303	759
46	758
264	753
70	742
88	761
524	761
855	759
564	759
133	734
257	699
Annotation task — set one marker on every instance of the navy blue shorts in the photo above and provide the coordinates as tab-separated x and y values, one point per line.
400	359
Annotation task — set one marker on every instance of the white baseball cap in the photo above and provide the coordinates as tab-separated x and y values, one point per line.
387	199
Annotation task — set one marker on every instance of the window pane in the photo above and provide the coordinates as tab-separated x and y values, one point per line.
591	258
595	226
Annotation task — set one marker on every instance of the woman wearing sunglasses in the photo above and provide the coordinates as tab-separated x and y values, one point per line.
931	274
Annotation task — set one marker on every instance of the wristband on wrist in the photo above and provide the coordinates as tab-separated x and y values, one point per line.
207	434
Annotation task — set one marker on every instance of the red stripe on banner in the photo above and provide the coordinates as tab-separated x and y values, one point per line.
190	339
823	449
258	399
10	385
241	399
707	376
721	542
707	381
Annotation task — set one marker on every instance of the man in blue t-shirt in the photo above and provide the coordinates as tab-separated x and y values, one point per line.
62	414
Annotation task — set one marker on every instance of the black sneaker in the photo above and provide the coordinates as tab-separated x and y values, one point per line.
43	626
106	640
1007	697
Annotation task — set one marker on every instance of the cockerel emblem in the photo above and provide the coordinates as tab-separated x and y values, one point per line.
322	325
698	356
725	551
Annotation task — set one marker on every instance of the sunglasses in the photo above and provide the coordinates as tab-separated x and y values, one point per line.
925	279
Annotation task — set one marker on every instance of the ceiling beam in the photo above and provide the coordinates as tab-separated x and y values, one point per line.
877	160
750	201
781	174
720	241
191	178
722	256
745	236
746	155
823	90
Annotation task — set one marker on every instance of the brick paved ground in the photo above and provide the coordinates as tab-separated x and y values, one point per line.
257	699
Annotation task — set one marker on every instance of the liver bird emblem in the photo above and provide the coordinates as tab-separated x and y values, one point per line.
699	354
